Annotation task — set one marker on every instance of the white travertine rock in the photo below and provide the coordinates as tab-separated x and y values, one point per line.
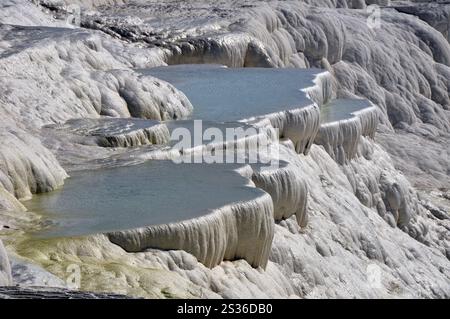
331	258
28	274
298	125
380	186
143	96
287	188
9	203
240	230
76	68
60	72
26	13
167	206
435	14
117	132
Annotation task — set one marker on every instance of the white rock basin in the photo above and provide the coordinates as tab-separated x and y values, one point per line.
342	109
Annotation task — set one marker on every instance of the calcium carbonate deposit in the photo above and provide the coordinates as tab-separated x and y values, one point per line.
225	149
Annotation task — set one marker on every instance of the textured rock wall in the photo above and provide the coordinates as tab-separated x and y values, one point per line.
331	257
381	186
301	125
112	132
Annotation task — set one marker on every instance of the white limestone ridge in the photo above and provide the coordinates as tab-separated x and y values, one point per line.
334	209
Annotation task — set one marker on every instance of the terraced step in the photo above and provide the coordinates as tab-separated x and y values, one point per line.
343	109
165	205
284	99
15	292
218	93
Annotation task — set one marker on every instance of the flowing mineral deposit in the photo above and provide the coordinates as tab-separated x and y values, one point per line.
224	149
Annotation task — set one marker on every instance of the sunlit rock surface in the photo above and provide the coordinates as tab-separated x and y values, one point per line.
61	73
28	274
287	188
435	13
310	263
174	207
194	136
231	94
37	292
